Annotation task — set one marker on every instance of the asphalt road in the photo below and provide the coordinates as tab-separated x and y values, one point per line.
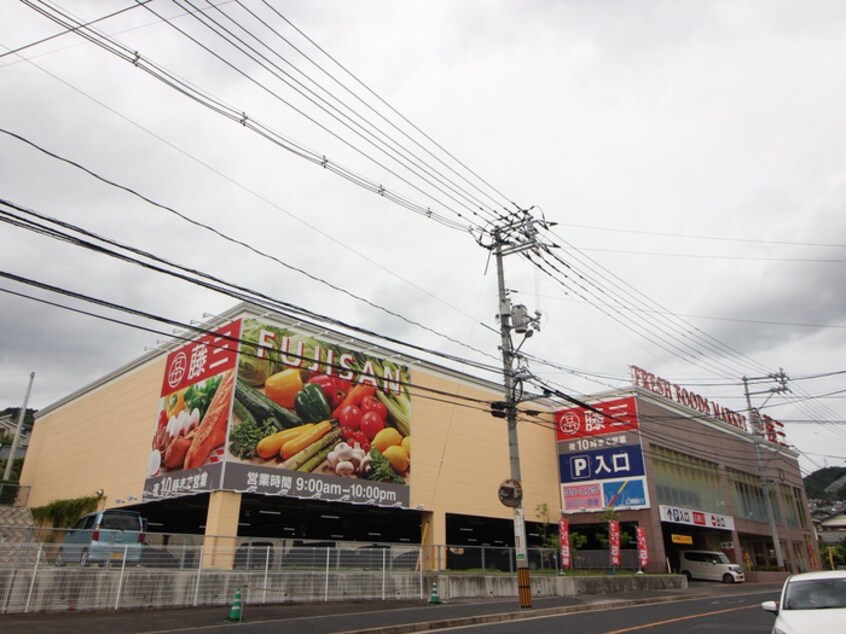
739	614
700	609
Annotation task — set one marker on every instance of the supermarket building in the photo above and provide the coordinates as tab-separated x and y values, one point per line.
652	455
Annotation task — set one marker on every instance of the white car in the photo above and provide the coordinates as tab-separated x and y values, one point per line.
811	602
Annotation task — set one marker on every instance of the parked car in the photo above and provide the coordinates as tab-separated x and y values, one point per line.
153	557
810	602
103	537
709	565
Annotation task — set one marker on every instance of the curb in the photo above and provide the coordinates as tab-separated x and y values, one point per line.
462	621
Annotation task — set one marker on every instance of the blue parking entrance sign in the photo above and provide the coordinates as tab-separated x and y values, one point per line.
602	464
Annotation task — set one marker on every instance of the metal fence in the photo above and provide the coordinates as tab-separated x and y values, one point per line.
44	572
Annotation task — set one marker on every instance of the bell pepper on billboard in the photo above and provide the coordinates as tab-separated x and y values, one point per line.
334	388
283	387
311	404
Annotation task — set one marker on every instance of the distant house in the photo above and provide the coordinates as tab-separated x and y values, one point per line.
832	530
8	425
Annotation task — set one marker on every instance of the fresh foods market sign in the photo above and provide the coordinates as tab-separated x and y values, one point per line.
768	427
680	395
283	413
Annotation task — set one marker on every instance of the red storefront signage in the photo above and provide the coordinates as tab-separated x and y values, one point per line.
642	551
564	536
202	358
608	417
614	541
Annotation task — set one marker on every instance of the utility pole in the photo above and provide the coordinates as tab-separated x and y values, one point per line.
519	234
21	415
755	421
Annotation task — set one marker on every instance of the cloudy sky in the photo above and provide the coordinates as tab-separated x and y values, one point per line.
691	153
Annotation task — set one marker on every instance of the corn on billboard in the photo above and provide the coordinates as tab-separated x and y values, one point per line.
262	408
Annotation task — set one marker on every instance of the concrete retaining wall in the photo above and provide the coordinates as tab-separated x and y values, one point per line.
53	589
470	586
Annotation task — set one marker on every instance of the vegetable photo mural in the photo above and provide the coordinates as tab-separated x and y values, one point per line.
316	420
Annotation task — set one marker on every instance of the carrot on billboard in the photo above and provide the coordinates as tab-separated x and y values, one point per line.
193	415
314	419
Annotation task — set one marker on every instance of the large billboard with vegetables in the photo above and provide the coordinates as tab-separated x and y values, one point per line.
308	419
316	420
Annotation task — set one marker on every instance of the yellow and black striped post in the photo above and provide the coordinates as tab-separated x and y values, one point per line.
524	587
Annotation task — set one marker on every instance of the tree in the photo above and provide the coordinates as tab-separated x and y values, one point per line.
833	554
548	539
578	540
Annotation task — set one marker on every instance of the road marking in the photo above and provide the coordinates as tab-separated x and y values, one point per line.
681	618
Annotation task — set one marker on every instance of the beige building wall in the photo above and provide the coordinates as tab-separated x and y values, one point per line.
460	454
100	440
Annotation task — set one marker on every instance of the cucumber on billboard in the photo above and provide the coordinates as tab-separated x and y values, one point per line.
313	419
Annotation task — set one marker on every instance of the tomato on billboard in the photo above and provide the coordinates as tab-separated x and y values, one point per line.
318	420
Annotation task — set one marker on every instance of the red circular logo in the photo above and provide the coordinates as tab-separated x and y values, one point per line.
569	423
177	369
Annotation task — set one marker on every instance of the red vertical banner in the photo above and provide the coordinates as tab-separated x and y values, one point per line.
564	537
642	550
614	541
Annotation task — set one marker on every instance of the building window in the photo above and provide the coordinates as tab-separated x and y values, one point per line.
687	481
748	497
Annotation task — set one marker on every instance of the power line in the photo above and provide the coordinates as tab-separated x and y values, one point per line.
701	237
240	243
240	117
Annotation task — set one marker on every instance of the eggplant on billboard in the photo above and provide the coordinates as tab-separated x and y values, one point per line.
306	418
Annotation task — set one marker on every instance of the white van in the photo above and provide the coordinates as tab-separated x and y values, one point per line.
710	566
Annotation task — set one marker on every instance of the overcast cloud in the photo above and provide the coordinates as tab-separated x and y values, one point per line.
692	150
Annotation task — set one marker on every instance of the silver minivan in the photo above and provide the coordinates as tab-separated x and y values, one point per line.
110	536
710	566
